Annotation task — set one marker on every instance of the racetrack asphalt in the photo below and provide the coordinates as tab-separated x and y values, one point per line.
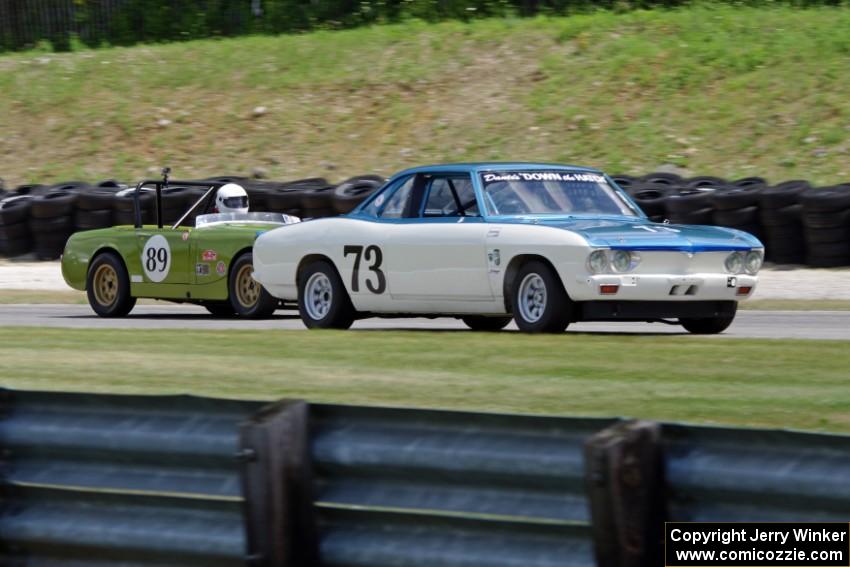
833	325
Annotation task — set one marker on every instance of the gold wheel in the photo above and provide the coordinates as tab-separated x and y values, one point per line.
105	285
247	288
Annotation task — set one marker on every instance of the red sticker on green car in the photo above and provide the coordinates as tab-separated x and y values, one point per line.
209	255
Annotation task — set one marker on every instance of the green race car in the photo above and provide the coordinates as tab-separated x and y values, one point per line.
208	264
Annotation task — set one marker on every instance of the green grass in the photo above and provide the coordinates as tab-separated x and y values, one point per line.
775	383
717	89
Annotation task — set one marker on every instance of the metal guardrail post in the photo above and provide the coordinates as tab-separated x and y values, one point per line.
624	477
277	481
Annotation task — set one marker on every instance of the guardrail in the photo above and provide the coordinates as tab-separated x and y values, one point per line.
134	480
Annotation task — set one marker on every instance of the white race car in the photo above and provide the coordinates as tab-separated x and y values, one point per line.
544	244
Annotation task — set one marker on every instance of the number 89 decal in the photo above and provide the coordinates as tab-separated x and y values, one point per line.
156	258
372	255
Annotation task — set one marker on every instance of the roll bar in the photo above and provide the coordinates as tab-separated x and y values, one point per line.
163	183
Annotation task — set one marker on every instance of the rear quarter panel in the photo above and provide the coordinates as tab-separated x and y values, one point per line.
82	247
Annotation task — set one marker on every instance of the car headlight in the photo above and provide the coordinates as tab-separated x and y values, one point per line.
597	262
623	261
734	263
753	261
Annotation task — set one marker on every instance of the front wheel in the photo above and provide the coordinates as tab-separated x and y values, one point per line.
108	287
323	302
538	300
707	326
482	323
247	297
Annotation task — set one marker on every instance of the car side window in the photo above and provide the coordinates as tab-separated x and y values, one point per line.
375	205
398	201
450	197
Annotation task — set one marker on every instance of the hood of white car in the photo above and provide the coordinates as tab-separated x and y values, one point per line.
642	234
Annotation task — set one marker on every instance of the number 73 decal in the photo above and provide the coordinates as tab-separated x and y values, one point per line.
373	257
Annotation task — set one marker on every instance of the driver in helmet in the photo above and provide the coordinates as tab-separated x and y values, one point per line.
231	198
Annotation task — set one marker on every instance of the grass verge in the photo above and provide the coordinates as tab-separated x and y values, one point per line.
719	89
774	383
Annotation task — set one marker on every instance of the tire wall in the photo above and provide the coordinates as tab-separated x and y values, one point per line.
798	223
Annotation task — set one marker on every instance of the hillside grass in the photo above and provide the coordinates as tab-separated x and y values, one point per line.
730	91
771	383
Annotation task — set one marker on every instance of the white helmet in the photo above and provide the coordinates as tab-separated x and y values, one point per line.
231	198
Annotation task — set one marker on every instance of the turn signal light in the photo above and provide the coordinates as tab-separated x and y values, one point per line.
608	289
744	290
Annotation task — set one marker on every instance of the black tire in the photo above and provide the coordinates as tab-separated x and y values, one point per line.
832	249
15	210
487	324
556	309
783	216
221	309
112	184
122	302
15	247
651	199
701	216
354	191
624	181
750	182
284	199
51	225
89	220
340	312
247	297
57	203
708	325
31	190
813	235
783	195
826	199
96	198
705	181
689	201
735	198
126	201
737	217
15	231
663	178
320	198
826	220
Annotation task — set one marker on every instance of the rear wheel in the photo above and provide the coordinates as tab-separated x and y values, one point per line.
481	323
538	300
707	326
323	302
247	297
108	286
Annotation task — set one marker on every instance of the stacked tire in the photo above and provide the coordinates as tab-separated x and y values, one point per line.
826	225
780	213
693	203
124	207
355	190
15	236
317	199
95	205
51	219
737	205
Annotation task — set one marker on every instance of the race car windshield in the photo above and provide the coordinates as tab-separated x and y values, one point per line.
551	193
